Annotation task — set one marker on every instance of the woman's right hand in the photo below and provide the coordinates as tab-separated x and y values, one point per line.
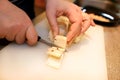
15	25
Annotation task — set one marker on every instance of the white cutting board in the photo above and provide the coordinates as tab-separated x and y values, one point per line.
83	61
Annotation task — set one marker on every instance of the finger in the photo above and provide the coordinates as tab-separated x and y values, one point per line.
86	22
71	41
86	25
10	37
51	15
10	34
76	21
1	35
72	36
31	35
92	22
75	29
74	15
20	37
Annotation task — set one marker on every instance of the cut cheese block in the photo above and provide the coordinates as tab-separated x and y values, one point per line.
60	41
55	52
64	21
55	62
63	24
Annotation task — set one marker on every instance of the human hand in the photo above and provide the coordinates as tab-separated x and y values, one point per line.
15	25
80	21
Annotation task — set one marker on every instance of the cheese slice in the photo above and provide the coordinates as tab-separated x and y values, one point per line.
55	52
60	41
63	20
55	62
63	24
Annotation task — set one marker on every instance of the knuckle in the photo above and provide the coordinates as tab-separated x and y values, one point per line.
19	42
10	38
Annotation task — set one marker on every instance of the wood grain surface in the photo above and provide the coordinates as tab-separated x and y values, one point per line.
112	45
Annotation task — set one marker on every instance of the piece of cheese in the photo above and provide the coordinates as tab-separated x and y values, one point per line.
63	20
55	62
63	24
60	41
62	32
55	52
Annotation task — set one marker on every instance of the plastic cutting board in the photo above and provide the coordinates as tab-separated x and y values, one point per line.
83	61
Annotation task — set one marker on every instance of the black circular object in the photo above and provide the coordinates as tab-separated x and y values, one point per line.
113	18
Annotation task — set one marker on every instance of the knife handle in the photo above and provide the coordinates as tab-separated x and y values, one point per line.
4	42
39	38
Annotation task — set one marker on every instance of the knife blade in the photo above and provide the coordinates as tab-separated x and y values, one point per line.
46	42
5	42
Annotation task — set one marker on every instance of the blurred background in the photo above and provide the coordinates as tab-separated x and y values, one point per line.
110	5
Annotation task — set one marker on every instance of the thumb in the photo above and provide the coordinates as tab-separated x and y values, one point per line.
31	35
53	22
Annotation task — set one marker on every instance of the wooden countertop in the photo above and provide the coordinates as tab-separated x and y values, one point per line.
112	45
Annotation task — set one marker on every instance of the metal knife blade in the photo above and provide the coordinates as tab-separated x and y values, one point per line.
46	42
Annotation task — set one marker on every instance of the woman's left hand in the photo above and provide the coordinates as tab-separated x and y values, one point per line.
80	21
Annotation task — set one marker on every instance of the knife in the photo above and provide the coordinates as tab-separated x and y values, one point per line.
4	42
46	42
